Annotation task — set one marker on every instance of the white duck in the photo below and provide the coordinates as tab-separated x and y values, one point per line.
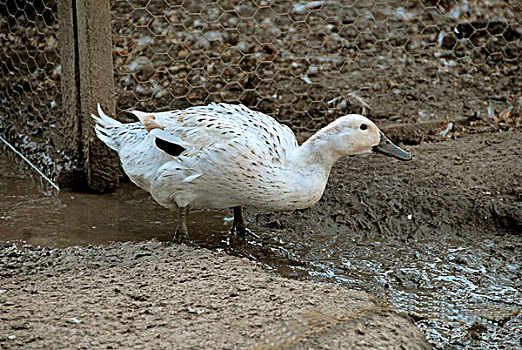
229	156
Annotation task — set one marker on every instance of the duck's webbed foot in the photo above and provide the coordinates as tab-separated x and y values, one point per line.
239	226
181	234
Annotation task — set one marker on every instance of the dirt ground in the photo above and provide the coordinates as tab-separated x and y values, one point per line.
470	186
148	295
467	191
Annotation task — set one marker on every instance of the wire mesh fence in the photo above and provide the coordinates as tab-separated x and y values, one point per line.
310	61
304	62
29	61
29	77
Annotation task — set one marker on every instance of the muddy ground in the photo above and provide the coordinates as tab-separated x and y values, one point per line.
456	208
147	294
470	186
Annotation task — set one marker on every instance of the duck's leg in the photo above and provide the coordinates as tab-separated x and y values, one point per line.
182	231
239	225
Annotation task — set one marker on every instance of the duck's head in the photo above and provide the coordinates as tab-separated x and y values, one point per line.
355	134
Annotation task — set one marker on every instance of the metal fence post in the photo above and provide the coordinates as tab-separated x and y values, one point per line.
87	79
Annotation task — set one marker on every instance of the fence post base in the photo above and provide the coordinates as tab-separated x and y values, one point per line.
87	79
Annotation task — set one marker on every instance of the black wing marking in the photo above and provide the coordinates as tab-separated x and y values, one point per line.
170	148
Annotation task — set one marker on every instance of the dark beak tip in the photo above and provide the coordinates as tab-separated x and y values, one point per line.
387	148
407	157
404	156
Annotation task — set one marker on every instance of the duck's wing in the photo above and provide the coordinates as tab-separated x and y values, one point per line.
232	130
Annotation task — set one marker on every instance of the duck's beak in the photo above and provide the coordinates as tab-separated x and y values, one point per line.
387	148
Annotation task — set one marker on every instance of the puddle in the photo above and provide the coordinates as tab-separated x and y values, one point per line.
459	292
455	290
73	218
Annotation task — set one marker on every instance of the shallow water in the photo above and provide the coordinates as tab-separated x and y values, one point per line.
459	292
73	218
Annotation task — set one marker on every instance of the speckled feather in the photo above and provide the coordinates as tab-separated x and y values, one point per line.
231	156
237	153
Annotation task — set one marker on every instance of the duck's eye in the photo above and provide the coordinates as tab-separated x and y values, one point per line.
364	126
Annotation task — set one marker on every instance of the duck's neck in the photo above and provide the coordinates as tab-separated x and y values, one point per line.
317	151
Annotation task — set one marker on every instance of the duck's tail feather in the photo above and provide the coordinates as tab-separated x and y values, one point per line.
107	128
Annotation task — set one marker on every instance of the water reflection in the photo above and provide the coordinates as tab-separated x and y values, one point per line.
72	218
444	285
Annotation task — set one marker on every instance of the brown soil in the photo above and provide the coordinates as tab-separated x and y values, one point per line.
465	193
153	296
470	186
147	295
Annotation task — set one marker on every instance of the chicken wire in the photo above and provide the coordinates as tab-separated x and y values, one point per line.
308	62
304	62
29	78
29	62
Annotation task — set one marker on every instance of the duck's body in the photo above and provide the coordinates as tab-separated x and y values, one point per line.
222	155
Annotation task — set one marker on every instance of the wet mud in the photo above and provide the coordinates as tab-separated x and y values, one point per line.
437	240
147	295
